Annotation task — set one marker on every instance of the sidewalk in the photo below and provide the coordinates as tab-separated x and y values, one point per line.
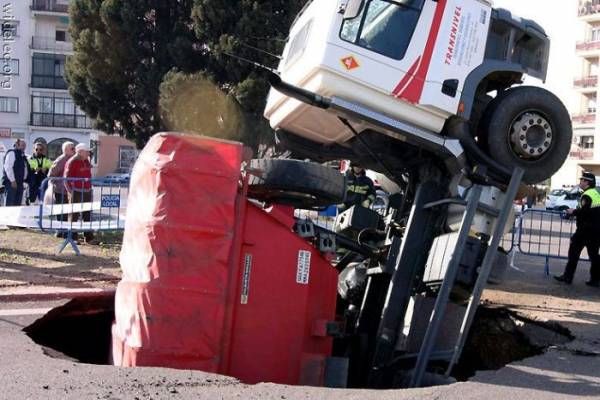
30	267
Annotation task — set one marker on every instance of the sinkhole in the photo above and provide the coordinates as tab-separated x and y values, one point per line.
80	331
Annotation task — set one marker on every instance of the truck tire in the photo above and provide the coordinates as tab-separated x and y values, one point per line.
528	127
297	183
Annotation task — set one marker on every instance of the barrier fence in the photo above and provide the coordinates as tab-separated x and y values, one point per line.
70	206
546	234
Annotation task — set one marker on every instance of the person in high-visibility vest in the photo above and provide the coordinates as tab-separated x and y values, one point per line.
587	233
40	165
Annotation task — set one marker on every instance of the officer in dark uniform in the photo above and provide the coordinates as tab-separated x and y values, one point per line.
588	232
360	189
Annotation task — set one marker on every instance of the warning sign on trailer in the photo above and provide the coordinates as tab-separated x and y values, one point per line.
303	271
246	278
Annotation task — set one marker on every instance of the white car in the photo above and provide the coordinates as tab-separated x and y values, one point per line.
553	197
567	200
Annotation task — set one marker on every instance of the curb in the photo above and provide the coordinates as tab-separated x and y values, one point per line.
60	295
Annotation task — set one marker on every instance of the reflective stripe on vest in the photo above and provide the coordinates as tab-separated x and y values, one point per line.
593	194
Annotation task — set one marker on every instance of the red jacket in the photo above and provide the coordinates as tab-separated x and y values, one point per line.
78	168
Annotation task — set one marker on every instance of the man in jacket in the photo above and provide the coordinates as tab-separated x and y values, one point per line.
587	233
59	193
39	165
80	190
360	188
15	173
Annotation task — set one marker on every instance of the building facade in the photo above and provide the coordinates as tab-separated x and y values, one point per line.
35	104
585	149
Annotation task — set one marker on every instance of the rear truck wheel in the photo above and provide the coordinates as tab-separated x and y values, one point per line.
528	127
296	183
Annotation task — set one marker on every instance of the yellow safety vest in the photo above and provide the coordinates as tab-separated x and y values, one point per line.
593	194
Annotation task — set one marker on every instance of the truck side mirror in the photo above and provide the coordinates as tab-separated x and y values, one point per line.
353	8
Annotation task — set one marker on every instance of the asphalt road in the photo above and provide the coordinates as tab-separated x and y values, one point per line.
571	371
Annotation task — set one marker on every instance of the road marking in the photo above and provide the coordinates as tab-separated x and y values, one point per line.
24	311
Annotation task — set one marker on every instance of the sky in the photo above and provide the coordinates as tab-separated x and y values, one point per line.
559	20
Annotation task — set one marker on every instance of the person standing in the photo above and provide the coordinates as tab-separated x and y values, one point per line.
15	173
39	165
587	233
360	188
59	193
80	191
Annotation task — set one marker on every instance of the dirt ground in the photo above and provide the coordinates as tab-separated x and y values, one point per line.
30	259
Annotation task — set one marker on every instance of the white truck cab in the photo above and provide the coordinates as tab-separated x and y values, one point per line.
421	63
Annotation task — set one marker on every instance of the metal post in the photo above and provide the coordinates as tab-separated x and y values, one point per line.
443	296
487	264
410	260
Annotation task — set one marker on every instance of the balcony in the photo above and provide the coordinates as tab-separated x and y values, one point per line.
50	44
52	6
61	120
588	8
586	82
48	82
588	46
581	154
584	119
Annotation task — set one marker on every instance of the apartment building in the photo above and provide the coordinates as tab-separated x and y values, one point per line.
35	104
585	149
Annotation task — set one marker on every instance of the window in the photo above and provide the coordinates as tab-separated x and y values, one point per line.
55	147
127	157
595	34
9	67
57	110
94	152
48	71
587	142
61	36
591	109
384	26
9	104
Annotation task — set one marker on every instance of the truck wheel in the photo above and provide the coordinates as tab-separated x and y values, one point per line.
528	127
297	183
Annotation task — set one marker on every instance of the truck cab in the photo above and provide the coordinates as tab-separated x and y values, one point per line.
420	62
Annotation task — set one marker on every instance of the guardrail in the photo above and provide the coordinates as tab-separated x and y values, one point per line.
547	234
76	205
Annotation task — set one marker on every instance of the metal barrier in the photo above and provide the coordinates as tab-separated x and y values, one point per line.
545	234
78	205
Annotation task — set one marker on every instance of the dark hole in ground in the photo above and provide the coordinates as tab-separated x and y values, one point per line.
81	330
500	336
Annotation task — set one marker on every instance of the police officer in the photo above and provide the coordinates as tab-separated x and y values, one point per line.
360	189
39	165
588	232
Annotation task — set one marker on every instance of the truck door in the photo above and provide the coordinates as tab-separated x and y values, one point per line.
395	44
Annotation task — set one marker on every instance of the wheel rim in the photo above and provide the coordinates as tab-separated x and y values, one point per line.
531	135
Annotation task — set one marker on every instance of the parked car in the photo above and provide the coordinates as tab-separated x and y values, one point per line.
114	179
553	196
568	200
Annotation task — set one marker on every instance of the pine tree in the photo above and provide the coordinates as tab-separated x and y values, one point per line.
125	50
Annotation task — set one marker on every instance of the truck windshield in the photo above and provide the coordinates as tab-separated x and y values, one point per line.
384	26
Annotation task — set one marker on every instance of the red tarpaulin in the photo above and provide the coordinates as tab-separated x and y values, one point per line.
213	282
176	248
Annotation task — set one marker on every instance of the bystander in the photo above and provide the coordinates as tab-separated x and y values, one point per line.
15	173
80	189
